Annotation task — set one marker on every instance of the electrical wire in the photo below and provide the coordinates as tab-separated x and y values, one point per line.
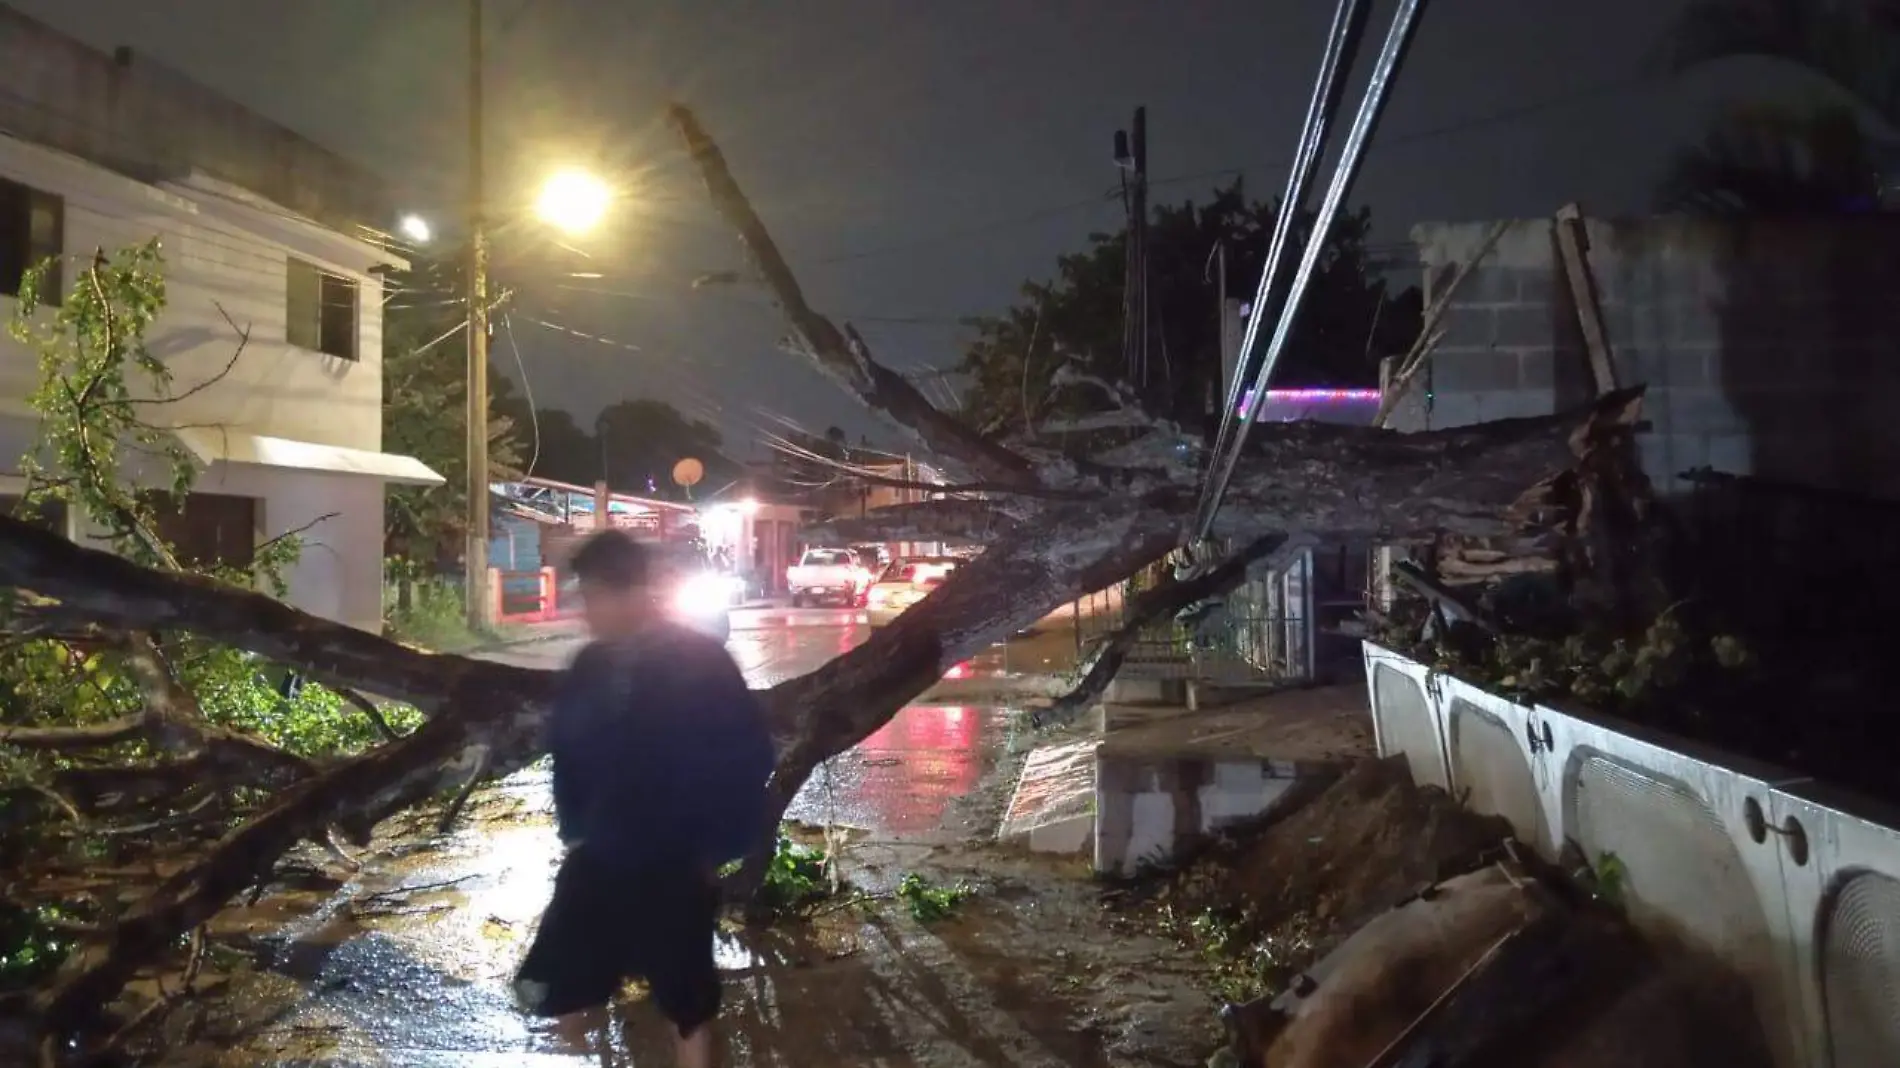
1385	70
527	389
1342	46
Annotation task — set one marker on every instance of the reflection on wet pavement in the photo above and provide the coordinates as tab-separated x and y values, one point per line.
903	777
772	645
410	962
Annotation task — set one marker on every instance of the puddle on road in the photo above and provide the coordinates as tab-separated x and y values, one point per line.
413	957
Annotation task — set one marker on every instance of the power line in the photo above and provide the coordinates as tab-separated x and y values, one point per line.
1220	468
527	388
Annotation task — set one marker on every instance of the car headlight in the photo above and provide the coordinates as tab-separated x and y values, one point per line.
705	594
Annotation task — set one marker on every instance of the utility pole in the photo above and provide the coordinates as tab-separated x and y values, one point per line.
1227	316
1131	154
476	553
1140	199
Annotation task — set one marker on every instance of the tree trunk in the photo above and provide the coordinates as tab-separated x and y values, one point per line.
1056	526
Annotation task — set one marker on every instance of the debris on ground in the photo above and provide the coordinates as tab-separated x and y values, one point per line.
1380	923
1506	964
1267	901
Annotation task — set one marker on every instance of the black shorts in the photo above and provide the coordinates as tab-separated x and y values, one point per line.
606	925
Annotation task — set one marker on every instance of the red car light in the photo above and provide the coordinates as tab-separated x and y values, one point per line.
958	671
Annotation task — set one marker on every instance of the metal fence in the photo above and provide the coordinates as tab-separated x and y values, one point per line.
1261	633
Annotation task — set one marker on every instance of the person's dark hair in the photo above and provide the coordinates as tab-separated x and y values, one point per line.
612	559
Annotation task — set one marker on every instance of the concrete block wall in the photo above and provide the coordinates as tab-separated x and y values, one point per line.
1767	345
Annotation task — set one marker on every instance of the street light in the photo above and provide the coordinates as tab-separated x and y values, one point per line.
573	201
415	228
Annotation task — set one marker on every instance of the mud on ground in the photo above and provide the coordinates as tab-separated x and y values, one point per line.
1266	901
406	962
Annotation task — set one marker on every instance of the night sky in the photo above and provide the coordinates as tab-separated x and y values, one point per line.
916	158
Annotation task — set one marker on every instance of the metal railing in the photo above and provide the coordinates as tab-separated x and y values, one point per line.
1261	633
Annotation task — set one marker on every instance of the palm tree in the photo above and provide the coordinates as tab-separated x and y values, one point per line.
1854	44
1774	159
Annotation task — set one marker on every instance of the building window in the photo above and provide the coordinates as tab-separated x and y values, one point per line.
32	229
321	311
211	529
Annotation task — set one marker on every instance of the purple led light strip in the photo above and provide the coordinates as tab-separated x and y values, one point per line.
1310	395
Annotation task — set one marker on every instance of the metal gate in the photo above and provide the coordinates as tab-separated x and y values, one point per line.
1260	634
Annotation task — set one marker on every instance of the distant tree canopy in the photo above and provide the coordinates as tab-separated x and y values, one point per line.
640	440
425	410
1776	158
1347	325
633	446
425	377
1765	159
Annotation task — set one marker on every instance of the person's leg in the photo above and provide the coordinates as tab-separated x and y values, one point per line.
683	974
695	1050
580	1029
571	974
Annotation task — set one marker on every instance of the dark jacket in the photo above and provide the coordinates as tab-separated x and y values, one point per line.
661	753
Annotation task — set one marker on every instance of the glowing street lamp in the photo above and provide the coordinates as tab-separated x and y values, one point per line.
415	228
573	201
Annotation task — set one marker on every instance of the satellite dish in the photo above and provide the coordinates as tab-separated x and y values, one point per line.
688	472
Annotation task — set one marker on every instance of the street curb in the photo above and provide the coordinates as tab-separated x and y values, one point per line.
1004	688
535	639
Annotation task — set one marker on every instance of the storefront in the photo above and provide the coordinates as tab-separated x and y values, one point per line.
753	539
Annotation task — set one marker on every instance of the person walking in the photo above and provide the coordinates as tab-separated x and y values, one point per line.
661	755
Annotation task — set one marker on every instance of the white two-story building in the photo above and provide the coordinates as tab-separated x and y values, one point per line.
289	438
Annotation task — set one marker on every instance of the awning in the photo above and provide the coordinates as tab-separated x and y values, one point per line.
217	445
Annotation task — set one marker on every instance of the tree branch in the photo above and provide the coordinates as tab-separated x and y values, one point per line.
966	521
1147	608
244	342
1484	480
97	736
117	593
843	356
1429	331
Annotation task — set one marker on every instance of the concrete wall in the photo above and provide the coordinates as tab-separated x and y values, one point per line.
216	265
143	119
1793	884
340	521
1765	343
227	253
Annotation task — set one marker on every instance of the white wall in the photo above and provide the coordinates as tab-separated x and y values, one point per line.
223	256
214	258
340	573
1794	884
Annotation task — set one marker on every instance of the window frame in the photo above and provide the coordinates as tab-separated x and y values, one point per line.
38	247
308	326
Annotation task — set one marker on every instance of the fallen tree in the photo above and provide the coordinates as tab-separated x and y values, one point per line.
1059	520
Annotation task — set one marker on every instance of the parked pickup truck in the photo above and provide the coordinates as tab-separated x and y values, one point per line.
827	575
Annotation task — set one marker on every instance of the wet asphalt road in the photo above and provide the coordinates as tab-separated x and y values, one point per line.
408	962
774	644
900	779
